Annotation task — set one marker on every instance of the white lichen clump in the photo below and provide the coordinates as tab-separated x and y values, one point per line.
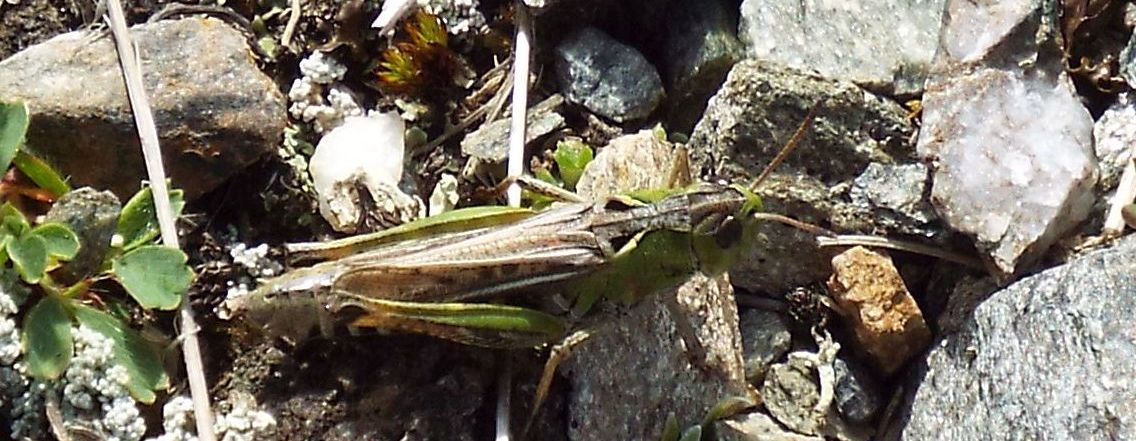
317	98
243	423
16	388
461	17
255	260
94	389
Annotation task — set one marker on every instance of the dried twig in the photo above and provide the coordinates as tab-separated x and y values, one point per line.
293	20
522	51
151	151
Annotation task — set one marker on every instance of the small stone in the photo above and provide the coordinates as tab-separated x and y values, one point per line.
490	142
93	216
1014	166
790	393
993	31
1048	357
757	427
216	111
857	395
701	44
1115	134
607	77
886	321
895	194
765	339
630	162
883	45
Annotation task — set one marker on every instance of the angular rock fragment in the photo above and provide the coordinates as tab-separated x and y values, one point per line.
608	77
883	45
886	321
1048	357
490	142
216	112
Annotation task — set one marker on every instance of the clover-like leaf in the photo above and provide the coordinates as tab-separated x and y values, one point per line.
47	338
29	253
13	220
571	157
141	360
155	275
13	127
62	243
138	223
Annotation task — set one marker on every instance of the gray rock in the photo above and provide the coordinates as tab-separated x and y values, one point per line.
765	339
93	216
1115	134
490	142
1014	166
896	197
884	45
216	111
1128	61
701	45
643	355
1049	357
757	427
608	77
790	392
857	394
753	116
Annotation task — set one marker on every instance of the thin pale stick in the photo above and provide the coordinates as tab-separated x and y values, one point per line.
522	51
504	393
151	151
290	28
899	245
789	147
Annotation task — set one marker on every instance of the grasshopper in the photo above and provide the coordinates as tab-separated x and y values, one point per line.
482	276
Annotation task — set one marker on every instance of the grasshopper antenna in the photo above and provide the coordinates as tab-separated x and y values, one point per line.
789	147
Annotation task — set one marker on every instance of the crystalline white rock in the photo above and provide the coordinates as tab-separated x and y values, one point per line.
1013	159
366	151
1115	135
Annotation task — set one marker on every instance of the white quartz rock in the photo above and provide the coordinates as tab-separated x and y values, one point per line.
1013	159
363	153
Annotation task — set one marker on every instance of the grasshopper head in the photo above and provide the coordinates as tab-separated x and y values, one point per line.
723	222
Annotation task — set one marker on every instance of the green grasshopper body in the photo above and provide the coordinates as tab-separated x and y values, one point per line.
461	275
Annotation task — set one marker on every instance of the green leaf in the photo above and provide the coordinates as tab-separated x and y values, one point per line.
42	174
62	243
670	429
13	220
138	223
571	157
692	434
13	127
155	275
29	253
47	338
141	360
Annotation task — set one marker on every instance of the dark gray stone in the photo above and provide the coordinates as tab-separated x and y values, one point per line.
752	117
1049	357
93	215
896	197
765	339
701	45
216	112
857	394
608	77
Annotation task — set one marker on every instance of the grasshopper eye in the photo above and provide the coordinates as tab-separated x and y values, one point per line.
729	233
